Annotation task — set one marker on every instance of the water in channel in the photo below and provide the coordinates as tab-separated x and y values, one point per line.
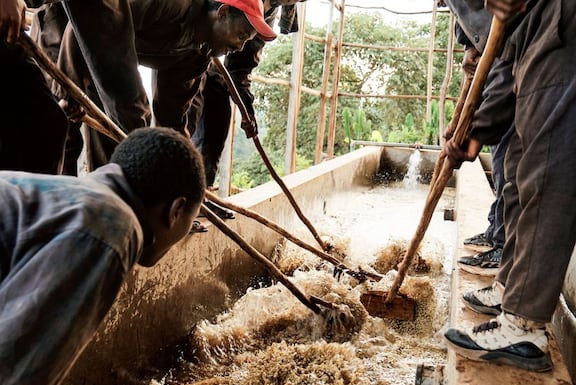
270	337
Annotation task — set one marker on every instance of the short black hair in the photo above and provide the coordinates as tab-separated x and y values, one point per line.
160	164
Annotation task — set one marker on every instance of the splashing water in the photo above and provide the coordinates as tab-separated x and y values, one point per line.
412	177
268	337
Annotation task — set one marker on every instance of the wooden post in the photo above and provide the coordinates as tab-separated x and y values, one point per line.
227	157
447	78
431	63
324	87
295	91
335	81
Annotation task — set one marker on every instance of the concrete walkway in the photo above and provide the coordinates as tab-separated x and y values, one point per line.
472	205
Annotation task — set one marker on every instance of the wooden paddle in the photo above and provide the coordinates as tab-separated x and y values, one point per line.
251	251
107	127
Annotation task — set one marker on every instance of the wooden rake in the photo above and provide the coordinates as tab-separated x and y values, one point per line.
339	266
444	173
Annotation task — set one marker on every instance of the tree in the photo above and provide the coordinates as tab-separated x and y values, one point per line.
362	71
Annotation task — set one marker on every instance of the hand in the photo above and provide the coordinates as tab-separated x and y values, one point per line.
456	155
12	20
505	9
250	127
470	61
73	111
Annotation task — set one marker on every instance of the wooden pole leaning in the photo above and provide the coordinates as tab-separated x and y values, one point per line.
252	252
493	45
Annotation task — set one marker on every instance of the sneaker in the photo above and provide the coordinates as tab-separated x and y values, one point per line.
487	300
503	341
485	264
478	243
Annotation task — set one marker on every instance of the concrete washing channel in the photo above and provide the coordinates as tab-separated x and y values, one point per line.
206	277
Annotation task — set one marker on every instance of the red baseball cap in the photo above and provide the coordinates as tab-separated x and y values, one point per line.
254	12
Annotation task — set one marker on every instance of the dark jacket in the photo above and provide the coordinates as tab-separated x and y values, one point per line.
165	39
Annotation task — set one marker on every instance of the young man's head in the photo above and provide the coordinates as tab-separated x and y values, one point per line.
234	23
166	172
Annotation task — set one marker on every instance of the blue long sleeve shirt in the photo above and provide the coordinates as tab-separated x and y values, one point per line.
66	245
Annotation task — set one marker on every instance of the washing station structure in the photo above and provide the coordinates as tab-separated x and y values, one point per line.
206	274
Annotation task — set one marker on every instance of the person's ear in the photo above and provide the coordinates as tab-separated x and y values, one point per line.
176	210
223	11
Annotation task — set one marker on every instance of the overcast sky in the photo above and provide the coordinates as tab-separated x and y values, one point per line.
317	11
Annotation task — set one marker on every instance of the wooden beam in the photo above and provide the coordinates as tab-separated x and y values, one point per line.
295	91
335	82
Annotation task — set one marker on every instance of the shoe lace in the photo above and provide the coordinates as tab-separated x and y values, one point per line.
488	296
486	326
490	255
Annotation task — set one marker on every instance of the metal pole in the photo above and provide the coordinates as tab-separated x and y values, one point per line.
355	143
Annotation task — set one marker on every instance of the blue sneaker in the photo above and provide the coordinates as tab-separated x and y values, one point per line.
478	243
485	264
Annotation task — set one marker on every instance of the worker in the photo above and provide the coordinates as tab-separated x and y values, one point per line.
32	140
177	40
211	113
495	115
540	169
68	243
211	107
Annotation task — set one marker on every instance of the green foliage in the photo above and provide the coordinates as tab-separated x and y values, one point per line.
357	127
242	180
428	133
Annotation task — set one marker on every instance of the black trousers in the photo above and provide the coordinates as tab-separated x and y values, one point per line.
213	113
32	125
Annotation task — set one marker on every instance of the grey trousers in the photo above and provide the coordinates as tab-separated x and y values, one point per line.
540	165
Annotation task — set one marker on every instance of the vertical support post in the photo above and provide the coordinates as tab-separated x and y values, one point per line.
324	87
431	62
227	158
335	81
447	78
295	91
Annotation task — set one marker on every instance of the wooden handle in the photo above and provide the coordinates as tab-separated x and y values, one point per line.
273	226
493	45
238	100
251	251
107	126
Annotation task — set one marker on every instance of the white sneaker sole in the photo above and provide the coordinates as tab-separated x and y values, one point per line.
478	249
